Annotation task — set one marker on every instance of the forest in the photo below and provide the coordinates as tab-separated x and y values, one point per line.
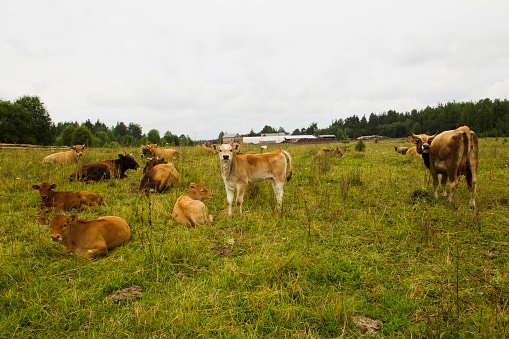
26	121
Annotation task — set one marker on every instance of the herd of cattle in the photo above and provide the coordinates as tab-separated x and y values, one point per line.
450	154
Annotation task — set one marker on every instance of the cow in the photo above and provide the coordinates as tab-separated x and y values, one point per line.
189	209
88	238
106	169
240	169
153	150
208	147
451	153
159	178
331	152
401	150
67	157
152	162
412	150
65	201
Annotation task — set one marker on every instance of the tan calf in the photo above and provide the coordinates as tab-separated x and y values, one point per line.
189	209
159	178
65	201
66	157
88	238
331	152
240	169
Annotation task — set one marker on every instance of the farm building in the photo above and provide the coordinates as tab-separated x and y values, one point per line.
232	138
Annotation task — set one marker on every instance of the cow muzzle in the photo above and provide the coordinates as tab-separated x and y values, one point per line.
226	157
425	148
56	237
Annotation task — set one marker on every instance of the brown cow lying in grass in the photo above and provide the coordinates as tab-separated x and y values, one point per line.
65	201
66	157
158	176
331	152
88	238
401	150
153	150
189	209
106	169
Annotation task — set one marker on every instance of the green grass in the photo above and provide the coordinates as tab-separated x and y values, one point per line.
358	236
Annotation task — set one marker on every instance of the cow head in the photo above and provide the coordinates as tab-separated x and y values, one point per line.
146	151
60	226
79	149
127	161
421	141
226	151
199	192
44	189
152	162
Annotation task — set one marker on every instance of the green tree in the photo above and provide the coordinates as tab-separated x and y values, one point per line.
15	124
66	135
82	136
153	136
135	131
40	124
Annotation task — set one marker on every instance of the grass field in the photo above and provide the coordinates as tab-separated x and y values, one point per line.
359	240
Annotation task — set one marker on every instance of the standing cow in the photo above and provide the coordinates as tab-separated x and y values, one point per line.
240	169
88	238
67	157
450	153
153	150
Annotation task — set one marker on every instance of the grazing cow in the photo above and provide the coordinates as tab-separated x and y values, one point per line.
450	153
106	169
331	152
88	238
401	150
65	201
240	169
189	209
67	157
158	178
153	150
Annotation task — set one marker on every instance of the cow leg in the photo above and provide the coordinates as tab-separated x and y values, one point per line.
434	176
96	252
240	197
453	184
230	193
278	188
472	185
443	182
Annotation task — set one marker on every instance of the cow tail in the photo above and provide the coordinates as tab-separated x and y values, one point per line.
290	164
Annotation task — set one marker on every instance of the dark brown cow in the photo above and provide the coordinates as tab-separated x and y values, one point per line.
88	238
66	157
158	178
153	150
106	169
238	170
65	201
189	209
450	153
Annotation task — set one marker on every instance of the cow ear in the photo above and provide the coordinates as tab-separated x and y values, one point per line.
192	185
35	187
236	146
43	221
52	186
120	156
73	218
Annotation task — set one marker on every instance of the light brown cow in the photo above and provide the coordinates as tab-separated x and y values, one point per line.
240	169
153	150
67	157
189	209
450	153
331	152
88	238
401	150
208	147
159	178
65	201
412	150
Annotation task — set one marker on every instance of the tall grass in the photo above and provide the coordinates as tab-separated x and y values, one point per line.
361	236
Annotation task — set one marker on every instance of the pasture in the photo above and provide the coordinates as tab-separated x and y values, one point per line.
359	240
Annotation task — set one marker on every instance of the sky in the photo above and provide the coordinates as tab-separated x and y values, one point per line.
199	68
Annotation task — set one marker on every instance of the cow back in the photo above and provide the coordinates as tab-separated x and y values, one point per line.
113	230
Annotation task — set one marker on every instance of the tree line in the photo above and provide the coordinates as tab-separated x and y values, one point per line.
26	121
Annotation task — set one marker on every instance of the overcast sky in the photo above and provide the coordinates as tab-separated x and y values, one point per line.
201	67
